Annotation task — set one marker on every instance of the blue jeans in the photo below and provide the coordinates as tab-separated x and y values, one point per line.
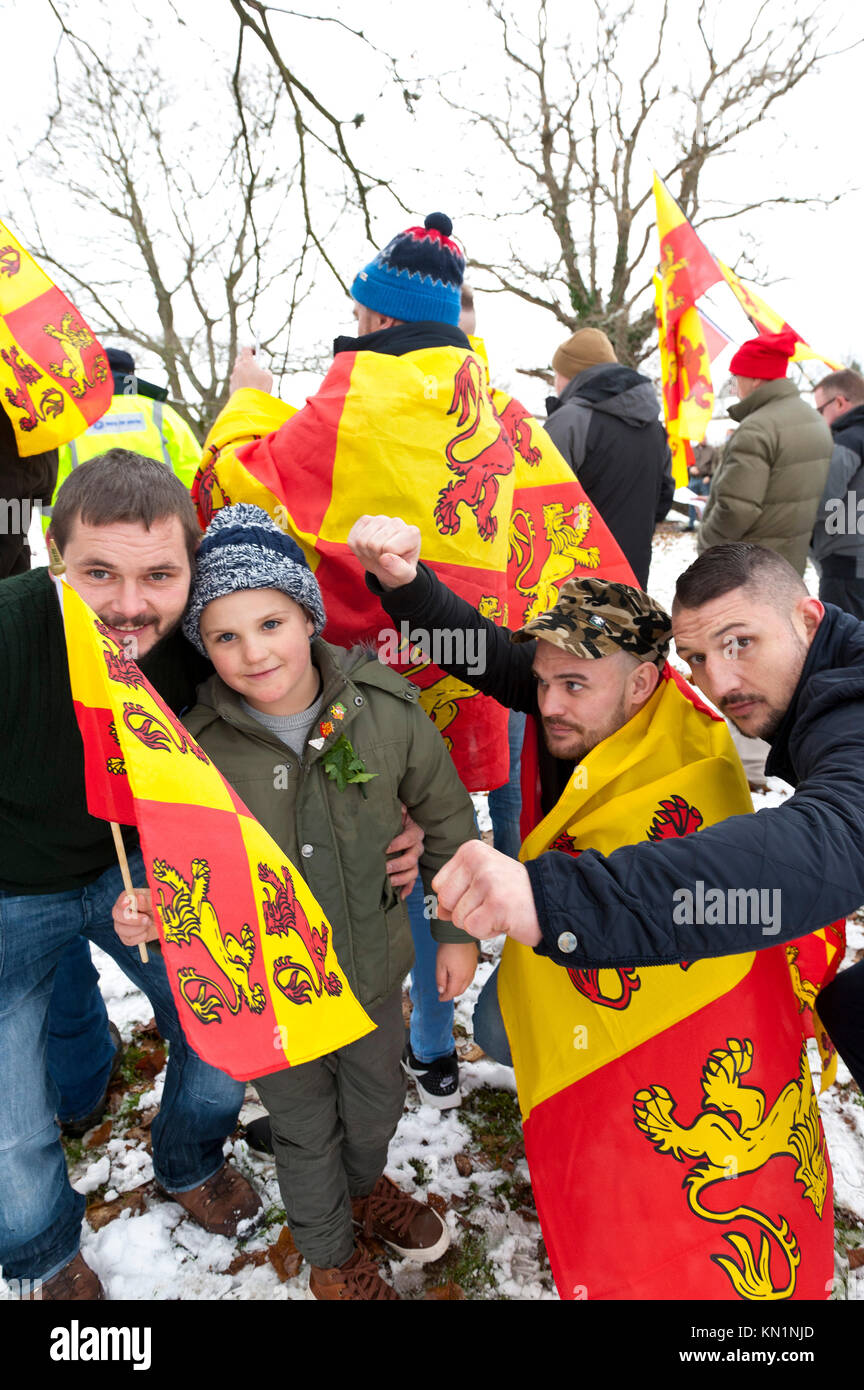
505	803
40	1213
80	1048
431	1021
488	1023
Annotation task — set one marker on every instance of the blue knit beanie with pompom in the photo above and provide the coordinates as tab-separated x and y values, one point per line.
417	276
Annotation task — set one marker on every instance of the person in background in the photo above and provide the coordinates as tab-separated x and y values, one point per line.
767	485
838	537
406	299
140	419
604	418
24	483
699	477
769	480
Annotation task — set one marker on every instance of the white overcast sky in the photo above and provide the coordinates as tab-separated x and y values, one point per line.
436	161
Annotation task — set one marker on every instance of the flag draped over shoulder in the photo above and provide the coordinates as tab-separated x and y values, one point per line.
766	320
686	271
54	377
422	436
671	1127
248	950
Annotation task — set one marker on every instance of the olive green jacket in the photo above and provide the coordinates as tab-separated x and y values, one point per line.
337	839
769	481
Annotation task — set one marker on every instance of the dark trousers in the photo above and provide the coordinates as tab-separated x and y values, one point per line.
847	592
332	1121
841	1008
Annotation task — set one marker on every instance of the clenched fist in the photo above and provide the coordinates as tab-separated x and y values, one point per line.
487	893
387	547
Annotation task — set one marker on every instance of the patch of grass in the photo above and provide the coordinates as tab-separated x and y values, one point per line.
494	1122
273	1216
73	1149
472	1199
421	1172
467	1265
519	1196
132	1055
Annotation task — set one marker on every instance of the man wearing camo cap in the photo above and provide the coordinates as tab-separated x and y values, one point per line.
584	668
599	617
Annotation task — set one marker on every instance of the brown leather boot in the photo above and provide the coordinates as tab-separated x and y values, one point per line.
221	1203
357	1281
75	1280
409	1227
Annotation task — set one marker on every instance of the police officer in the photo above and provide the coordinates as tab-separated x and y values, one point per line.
138	419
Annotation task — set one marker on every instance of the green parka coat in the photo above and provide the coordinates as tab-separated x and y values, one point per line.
769	482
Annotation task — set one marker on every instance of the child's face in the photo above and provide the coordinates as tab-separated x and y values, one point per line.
258	640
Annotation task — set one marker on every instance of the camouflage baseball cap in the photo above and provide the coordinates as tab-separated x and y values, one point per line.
597	617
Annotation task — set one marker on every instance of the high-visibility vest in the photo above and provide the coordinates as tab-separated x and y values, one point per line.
142	425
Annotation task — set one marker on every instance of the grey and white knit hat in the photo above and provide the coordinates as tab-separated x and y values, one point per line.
244	549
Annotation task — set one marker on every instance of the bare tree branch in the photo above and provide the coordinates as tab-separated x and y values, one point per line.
580	127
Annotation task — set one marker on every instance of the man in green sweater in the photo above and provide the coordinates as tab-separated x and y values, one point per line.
127	531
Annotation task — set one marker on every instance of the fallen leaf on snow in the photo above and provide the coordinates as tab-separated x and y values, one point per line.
100	1213
99	1136
248	1258
284	1256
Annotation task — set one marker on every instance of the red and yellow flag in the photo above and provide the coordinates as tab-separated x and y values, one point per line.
686	271
248	951
766	320
54	376
671	1127
503	519
813	962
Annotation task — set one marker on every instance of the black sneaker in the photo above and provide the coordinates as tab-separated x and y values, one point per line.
437	1082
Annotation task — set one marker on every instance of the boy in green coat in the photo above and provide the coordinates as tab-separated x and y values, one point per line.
325	746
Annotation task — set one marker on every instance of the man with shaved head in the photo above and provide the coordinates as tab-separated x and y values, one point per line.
782	666
626	751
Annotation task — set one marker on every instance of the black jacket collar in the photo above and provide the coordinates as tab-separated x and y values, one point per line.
405	337
833	672
848	420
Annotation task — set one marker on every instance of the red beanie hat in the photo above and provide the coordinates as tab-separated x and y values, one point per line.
766	356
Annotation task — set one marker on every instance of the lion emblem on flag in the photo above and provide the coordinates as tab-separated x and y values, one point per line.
283	915
190	913
477	469
735	1134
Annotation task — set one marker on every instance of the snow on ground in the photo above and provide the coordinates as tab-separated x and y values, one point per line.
153	1251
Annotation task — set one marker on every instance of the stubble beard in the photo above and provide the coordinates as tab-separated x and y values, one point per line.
584	740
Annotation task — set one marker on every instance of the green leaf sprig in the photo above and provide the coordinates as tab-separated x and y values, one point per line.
343	766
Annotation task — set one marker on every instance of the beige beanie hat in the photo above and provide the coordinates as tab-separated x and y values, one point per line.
586	348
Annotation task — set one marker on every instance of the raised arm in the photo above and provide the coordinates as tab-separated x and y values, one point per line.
410	593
